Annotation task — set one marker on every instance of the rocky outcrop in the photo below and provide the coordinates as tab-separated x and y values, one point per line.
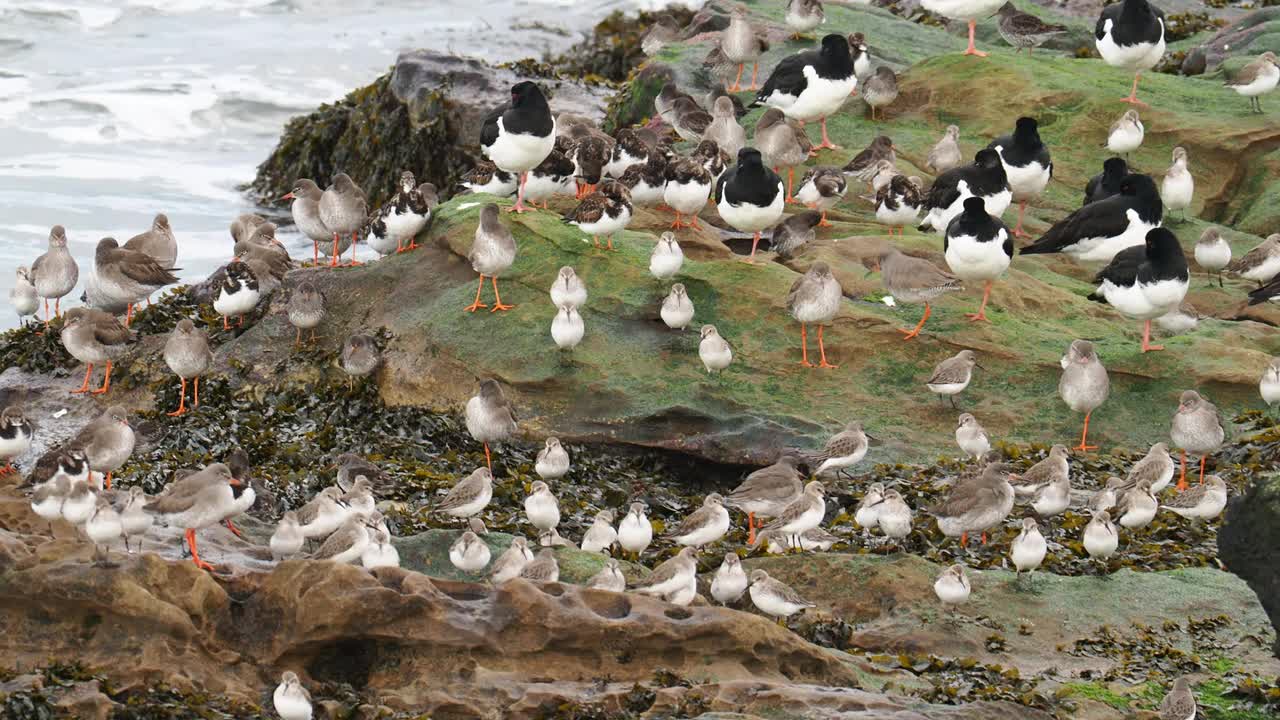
423	116
1249	543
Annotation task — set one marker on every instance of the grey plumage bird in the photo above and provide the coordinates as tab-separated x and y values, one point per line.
344	210
306	310
188	355
912	280
360	357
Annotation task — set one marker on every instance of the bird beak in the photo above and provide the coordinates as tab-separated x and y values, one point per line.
289	196
979	366
234	482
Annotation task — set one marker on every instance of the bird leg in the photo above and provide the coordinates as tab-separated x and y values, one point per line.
333	258
751	528
755	68
195	556
106	482
737	82
519	206
1018	232
231	526
964	539
497	299
755	241
1203	459
822	351
128	315
984	537
1085	435
315	252
610	245
240	321
677	223
477	304
982	310
84	386
826	141
909	334
297	339
488	460
1133	94
57	307
225	324
971	50
804	347
1146	338
196	404
106	382
823	221
1182	476
182	400
355	240
791	178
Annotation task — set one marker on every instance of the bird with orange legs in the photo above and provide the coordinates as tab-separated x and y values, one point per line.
969	11
15	436
344	210
304	206
1131	35
1084	384
94	337
1197	429
782	144
187	354
55	273
811	86
911	280
238	293
688	185
491	255
741	44
820	189
604	212
196	502
976	504
107	442
1027	165
766	492
490	417
128	276
518	135
978	248
898	203
814	299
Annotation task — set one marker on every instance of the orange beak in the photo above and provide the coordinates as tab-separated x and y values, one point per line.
234	482
287	197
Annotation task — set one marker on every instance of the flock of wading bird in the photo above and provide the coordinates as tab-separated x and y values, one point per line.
535	155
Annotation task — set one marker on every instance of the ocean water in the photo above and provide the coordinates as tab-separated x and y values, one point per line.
114	110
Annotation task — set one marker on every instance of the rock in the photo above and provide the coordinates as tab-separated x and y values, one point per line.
1194	63
423	116
85	700
1249	543
1243	39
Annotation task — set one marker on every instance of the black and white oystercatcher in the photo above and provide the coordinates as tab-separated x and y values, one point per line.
1130	35
1100	230
984	177
1146	281
1106	183
968	10
812	85
749	196
1026	164
517	136
978	247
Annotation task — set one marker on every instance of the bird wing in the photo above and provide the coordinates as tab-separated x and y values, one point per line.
1188	498
143	268
787	594
945	190
951	370
489	126
663	573
1266	292
1249	260
694	521
1104	218
793	295
830	183
787	77
590	210
1123	268
339	541
1247	74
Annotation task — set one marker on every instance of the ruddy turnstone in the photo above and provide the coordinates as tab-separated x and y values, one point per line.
485	177
713	350
1145	282
646	181
690	121
394	227
604	212
677	308
1130	35
820	189
1084	384
238	293
898	204
16	432
518	135
687	185
911	280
